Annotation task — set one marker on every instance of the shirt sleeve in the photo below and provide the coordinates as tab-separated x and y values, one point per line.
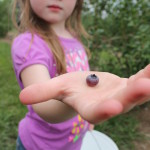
28	50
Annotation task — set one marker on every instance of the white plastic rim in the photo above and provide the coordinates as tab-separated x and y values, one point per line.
95	140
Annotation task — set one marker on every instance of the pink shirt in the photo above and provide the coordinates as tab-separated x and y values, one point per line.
35	133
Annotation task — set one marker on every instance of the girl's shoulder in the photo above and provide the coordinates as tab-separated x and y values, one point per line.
27	37
28	43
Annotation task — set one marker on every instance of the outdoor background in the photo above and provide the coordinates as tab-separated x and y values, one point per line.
120	45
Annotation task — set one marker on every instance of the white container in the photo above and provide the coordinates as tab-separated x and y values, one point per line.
95	140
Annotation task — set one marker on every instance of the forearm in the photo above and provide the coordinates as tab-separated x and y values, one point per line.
54	111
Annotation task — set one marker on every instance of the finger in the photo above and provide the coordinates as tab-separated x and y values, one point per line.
144	73
42	92
99	112
137	92
147	71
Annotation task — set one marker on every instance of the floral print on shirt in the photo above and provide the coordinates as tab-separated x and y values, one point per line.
78	126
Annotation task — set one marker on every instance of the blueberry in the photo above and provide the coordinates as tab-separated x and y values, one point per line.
92	80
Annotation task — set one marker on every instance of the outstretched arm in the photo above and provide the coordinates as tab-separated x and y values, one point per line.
113	95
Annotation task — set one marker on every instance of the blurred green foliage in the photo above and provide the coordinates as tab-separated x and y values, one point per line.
5	17
121	35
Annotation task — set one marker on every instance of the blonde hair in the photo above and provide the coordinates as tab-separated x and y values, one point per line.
29	21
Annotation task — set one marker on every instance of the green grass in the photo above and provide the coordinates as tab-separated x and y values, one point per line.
122	129
11	110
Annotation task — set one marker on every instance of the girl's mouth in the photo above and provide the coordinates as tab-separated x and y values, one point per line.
54	8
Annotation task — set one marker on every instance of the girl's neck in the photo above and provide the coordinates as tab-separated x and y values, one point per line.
61	30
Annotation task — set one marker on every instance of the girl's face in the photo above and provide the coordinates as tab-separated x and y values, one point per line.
53	11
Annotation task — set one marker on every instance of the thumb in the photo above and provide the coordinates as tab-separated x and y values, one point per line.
37	93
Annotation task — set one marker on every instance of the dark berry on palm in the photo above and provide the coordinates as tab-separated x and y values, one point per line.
92	80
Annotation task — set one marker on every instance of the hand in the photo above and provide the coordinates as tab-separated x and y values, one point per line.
113	95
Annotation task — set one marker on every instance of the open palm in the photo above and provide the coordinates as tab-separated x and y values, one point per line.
113	95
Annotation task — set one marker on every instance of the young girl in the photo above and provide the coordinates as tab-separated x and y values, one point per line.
49	44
